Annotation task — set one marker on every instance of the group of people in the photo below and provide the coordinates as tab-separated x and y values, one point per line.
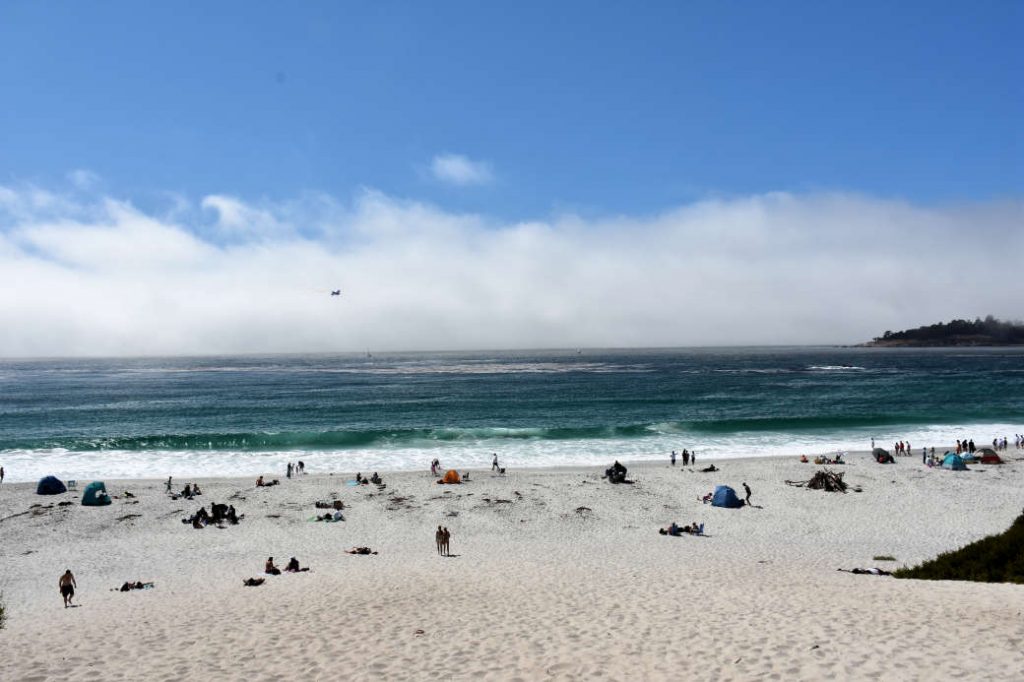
217	516
902	448
616	473
1004	444
965	446
824	459
336	515
375	479
677	530
293	567
443	537
188	492
296	469
688	457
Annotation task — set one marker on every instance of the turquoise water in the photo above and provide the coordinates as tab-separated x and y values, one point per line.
245	415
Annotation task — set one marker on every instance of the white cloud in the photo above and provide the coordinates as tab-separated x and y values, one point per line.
105	278
456	169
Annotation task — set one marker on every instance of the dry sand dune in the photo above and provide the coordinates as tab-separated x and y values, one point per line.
539	587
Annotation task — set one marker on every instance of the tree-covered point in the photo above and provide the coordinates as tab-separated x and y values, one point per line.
995	559
989	331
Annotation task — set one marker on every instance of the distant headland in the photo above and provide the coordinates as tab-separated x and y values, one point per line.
987	332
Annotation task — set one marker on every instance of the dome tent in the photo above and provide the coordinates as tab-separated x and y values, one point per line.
50	485
954	462
95	495
882	456
726	497
451	476
990	457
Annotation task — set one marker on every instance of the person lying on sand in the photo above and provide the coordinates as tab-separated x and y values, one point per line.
865	571
707	498
137	585
709	469
293	566
270	569
253	582
360	550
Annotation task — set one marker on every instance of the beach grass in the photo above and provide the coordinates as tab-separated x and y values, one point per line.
883	557
994	559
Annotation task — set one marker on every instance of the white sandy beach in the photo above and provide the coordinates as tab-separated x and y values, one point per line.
537	588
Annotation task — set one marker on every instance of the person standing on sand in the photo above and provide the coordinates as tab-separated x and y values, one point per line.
746	489
693	458
1	474
672	458
686	457
288	472
67	587
439	539
445	539
872	443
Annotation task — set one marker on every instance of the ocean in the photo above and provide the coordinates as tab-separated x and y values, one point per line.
246	415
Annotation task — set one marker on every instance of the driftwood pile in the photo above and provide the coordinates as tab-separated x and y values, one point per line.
827	480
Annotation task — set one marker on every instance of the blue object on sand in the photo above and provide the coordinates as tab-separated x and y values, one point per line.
726	497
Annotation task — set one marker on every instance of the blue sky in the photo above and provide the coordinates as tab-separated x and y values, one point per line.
590	108
517	175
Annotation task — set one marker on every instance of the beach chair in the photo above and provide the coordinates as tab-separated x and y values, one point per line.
72	484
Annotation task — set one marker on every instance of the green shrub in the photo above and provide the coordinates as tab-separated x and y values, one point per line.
995	559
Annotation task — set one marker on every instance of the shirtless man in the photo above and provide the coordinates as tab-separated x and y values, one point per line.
439	540
67	587
446	536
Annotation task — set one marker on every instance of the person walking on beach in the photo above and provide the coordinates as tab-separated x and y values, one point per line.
439	539
672	458
686	457
924	455
494	462
1	474
67	587
693	458
288	472
446	536
746	489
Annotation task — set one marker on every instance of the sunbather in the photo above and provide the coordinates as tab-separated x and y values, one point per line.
253	582
293	566
360	550
270	569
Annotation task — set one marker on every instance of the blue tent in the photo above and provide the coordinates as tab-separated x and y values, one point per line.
954	462
726	497
95	495
50	485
